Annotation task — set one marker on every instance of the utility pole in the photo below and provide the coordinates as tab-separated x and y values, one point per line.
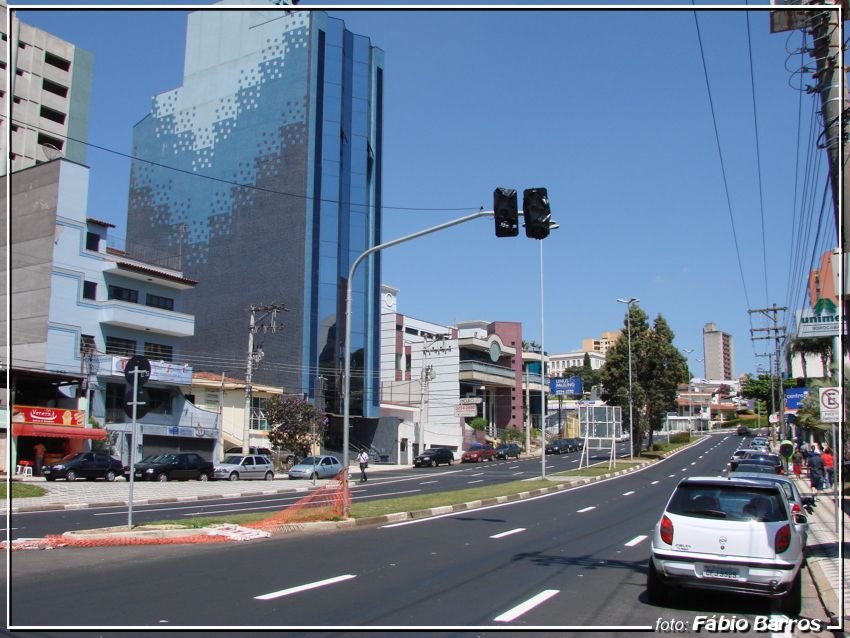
254	357
777	333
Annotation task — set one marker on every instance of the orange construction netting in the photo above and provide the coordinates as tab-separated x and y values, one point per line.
325	503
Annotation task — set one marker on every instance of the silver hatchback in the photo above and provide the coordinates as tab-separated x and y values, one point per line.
249	466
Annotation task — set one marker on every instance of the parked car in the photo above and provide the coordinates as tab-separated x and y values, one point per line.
313	467
560	446
251	466
578	443
171	467
508	449
284	457
743	430
734	535
754	455
88	465
759	442
798	503
478	452
434	457
753	465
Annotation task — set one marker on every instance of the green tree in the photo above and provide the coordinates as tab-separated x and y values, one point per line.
478	423
589	377
657	369
294	424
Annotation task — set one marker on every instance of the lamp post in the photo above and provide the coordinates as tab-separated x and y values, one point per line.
629	303
688	352
543	406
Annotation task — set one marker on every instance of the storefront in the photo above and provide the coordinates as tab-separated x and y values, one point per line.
61	431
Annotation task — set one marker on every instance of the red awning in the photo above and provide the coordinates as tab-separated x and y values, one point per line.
57	431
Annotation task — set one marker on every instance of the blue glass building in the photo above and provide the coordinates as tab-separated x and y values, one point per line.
263	172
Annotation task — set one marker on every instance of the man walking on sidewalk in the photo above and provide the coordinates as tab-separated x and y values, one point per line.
363	459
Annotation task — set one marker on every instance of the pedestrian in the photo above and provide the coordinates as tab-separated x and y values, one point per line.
816	472
363	459
39	451
797	462
829	466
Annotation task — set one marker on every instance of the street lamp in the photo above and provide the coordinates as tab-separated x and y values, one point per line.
629	303
543	406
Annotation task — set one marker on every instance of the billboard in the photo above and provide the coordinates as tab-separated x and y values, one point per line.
794	397
561	386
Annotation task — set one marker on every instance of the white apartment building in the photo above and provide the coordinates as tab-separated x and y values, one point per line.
719	353
564	361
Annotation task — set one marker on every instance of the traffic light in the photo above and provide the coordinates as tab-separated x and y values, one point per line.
535	209
506	212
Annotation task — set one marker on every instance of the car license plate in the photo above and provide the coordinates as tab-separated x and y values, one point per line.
716	571
138	475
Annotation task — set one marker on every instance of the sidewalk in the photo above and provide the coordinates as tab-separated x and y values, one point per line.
829	570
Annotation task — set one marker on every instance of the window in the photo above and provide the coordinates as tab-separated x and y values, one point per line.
155	301
89	290
49	140
87	343
121	347
54	60
159	400
53	87
258	416
52	114
158	351
124	294
92	241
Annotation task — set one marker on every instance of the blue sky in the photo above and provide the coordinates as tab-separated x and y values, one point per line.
606	107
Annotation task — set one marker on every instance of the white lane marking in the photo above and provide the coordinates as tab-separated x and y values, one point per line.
428	482
636	540
509	532
517	473
586	509
628	493
513	467
654	482
671	476
248	507
528	605
479	474
300	588
694	463
478	481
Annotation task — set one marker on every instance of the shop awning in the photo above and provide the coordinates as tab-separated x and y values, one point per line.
57	431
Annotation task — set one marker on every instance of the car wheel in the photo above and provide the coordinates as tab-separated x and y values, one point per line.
433	463
656	591
50	478
791	603
110	476
162	477
314	476
233	477
70	475
450	461
269	476
204	477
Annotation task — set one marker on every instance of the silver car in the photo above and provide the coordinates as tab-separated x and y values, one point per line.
798	503
316	467
250	466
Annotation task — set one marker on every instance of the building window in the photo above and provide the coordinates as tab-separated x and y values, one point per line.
155	301
158	351
159	400
124	294
54	60
89	290
92	241
53	87
86	343
258	415
48	140
120	347
53	115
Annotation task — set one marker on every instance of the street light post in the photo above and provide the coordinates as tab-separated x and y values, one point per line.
629	303
543	406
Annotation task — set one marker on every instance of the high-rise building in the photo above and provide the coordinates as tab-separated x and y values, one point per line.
50	89
719	353
262	172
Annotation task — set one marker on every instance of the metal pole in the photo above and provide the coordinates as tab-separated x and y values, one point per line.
133	449
542	377
631	420
246	422
346	403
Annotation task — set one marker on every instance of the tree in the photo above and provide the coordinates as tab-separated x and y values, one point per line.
657	369
294	424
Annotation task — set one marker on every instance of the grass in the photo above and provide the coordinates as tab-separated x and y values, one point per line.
22	490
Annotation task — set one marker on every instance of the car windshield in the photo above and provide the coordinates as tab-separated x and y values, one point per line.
232	460
731	502
71	457
311	460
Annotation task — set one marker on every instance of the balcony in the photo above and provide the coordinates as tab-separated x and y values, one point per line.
486	373
146	318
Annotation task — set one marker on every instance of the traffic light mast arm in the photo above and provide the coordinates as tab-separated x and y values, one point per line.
349	284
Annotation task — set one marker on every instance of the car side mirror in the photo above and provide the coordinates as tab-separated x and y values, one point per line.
800	519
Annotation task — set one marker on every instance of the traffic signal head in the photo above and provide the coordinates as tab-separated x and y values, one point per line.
506	212
535	209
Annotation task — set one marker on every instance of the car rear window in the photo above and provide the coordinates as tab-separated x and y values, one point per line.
730	502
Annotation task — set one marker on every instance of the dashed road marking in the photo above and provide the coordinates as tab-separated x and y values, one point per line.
528	605
628	493
305	587
636	540
586	509
509	532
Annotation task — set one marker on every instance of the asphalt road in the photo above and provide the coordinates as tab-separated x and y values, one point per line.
574	558
381	485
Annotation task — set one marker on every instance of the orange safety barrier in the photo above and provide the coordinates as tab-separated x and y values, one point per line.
323	504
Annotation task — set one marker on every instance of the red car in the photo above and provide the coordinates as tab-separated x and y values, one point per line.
479	452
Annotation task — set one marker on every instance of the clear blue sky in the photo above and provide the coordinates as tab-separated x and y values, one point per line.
608	108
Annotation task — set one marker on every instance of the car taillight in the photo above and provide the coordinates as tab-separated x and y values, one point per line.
783	538
666	530
795	509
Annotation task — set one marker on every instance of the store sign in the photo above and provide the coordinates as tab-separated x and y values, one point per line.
165	371
561	386
466	409
794	397
47	416
820	321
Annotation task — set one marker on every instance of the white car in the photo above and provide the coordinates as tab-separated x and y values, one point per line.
251	466
729	534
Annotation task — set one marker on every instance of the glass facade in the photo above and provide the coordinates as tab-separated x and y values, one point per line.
262	171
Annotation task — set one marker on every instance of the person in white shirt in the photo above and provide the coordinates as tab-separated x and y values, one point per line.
363	459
